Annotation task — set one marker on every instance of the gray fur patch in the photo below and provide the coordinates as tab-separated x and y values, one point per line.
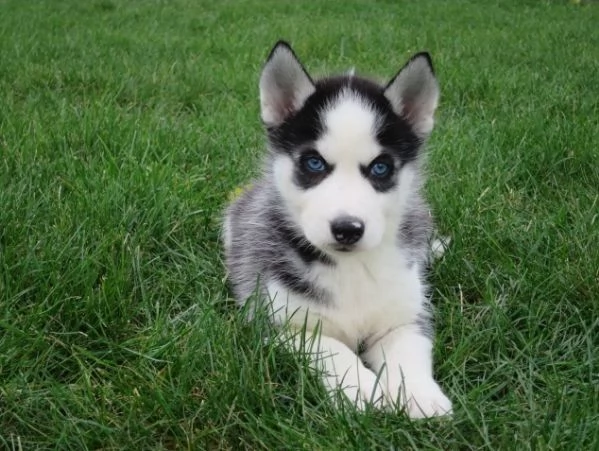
425	325
266	246
415	232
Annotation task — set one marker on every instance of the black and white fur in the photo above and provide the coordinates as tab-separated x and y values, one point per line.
335	234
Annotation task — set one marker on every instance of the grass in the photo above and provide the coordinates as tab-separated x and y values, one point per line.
124	126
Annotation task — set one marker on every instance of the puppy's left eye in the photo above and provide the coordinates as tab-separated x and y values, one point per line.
380	169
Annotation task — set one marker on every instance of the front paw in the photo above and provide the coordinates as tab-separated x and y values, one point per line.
361	387
420	398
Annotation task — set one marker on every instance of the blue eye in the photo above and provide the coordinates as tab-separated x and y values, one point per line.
380	169
314	164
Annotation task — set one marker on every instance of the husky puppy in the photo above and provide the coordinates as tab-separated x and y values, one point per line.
335	235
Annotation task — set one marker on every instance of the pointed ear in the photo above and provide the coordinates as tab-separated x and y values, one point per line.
284	85
414	93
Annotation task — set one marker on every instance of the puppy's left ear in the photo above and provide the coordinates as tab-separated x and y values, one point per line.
414	93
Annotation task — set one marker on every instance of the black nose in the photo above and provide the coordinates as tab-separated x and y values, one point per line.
347	229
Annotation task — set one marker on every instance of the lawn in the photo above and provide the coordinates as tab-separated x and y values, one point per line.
124	126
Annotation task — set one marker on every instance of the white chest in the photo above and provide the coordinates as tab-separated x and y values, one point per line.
369	295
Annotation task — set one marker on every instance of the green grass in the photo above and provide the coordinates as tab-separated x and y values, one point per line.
125	124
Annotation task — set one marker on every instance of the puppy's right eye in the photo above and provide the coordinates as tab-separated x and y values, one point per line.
313	163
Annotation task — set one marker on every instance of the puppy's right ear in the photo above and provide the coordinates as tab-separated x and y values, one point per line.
284	85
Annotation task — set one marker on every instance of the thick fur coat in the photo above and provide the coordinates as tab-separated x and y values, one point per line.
335	235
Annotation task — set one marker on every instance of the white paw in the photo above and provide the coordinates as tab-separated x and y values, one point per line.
439	246
421	398
361	387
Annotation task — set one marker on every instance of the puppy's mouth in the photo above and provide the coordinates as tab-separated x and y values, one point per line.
343	247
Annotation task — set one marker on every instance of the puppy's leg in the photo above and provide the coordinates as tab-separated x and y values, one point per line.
405	357
342	369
